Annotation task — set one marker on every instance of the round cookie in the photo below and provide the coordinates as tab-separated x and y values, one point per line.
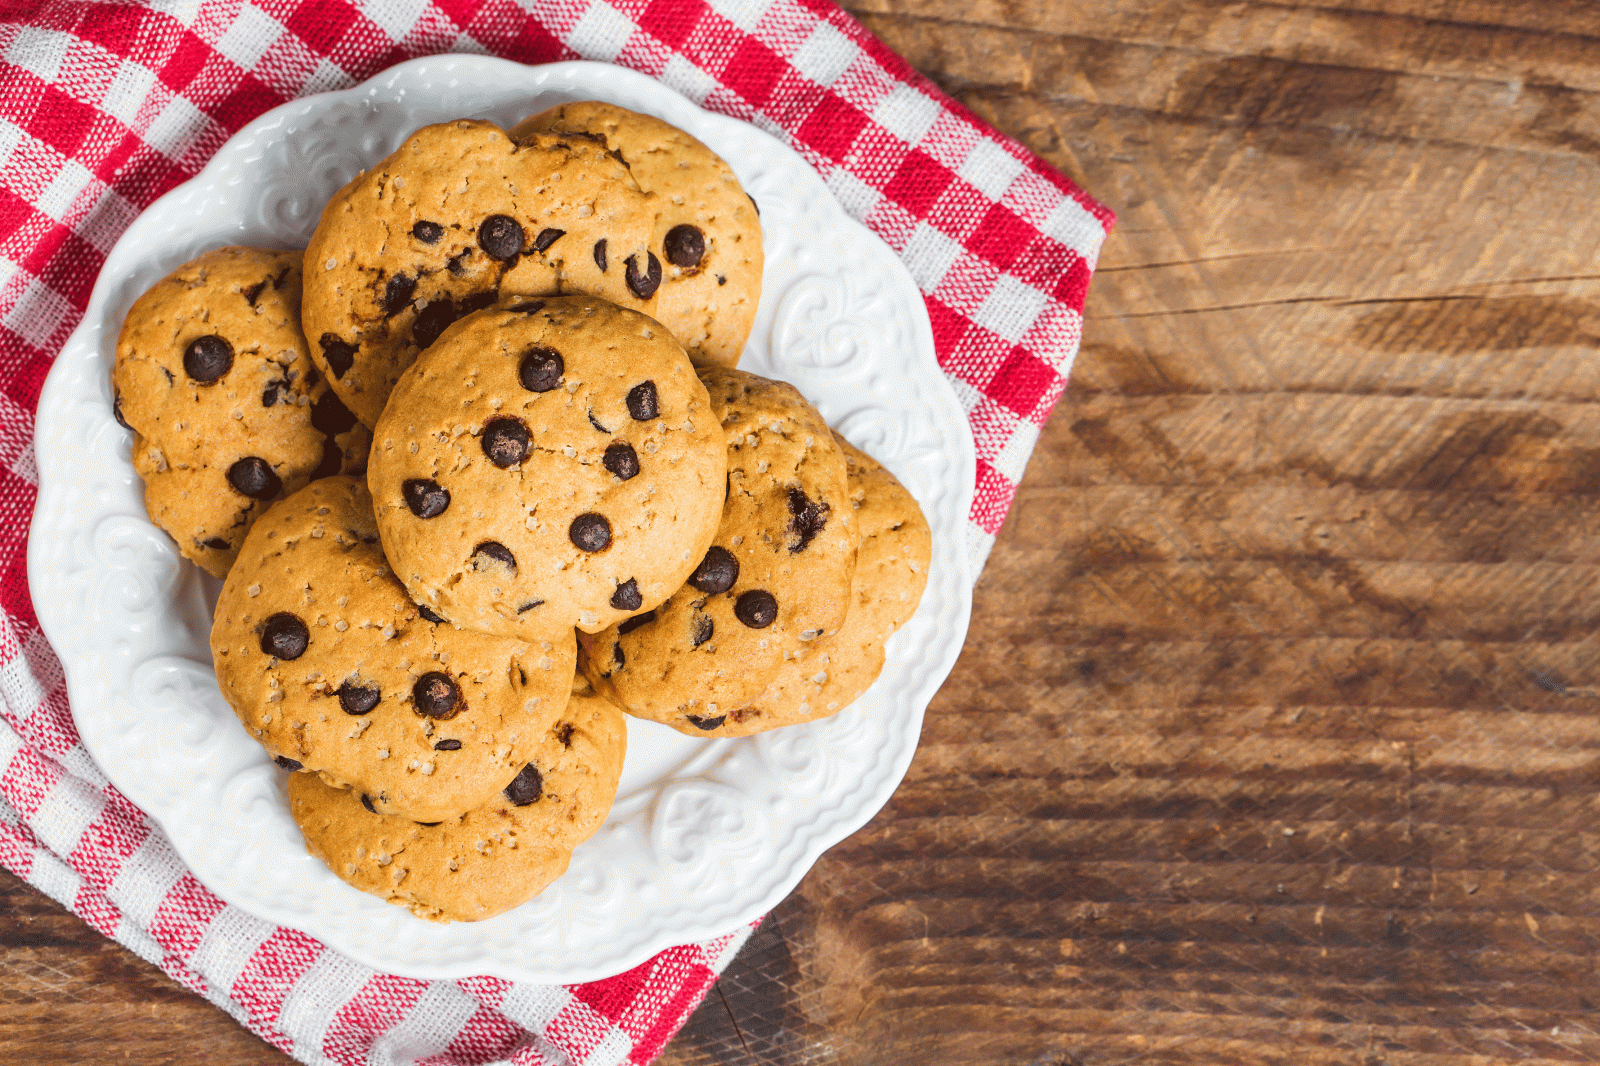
776	577
329	664
493	857
228	412
705	233
460	213
548	463
826	676
428	234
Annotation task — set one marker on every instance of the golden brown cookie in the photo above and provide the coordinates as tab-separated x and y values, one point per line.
213	376
493	857
826	676
705	234
459	213
775	579
329	664
548	463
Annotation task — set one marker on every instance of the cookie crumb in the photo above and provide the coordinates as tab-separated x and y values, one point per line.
254	590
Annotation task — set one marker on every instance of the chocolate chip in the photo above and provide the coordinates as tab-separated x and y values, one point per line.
427	232
505	441
525	608
643	403
595	422
339	353
564	733
287	763
500	236
685	246
493	549
254	477
433	320
717	571
116	412
546	238
330	416
397	294
526	787
456	264
627	597
428	615
721	280
358	699
617	656
757	608
216	543
707	724
643	285
427	499
284	636
332	461
366	801
590	532
436	695
621	460
600	254
253	293
635	622
273	392
541	369
703	628
447	745
807	517
207	359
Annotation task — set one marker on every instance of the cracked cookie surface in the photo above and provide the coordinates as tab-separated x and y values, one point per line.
461	214
775	579
493	857
826	676
229	413
548	462
705	231
330	666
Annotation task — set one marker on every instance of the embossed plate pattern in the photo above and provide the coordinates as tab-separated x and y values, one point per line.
705	835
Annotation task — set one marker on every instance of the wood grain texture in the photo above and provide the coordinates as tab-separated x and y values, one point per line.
1275	739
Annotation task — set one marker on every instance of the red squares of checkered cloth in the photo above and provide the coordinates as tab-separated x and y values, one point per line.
103	107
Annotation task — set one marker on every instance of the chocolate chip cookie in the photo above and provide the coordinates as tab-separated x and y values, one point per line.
329	664
493	857
228	411
548	463
431	232
700	272
775	578
827	675
461	213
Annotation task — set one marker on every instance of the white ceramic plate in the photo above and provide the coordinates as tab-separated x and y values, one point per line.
705	835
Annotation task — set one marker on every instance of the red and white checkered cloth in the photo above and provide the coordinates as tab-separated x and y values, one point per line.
103	107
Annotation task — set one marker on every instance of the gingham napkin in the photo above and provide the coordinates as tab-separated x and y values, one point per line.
103	107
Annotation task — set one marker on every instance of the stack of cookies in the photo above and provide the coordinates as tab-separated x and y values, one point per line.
510	490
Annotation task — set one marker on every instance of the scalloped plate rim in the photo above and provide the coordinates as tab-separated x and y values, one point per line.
55	395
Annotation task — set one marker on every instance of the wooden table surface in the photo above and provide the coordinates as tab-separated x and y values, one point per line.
1275	739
